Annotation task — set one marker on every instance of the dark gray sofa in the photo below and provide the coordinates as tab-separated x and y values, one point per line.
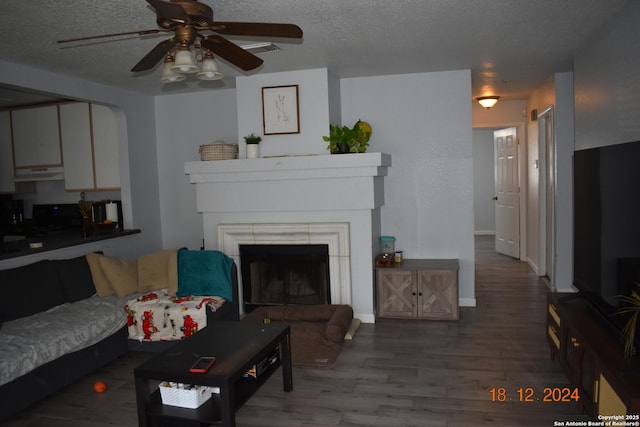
43	290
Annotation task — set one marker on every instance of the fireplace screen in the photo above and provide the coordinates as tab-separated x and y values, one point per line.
284	274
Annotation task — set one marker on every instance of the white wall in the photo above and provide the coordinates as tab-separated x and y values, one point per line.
503	114
607	83
565	143
542	99
484	207
313	104
184	122
424	122
555	94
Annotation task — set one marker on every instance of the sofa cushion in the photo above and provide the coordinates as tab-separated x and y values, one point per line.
100	281
204	273
158	271
122	274
75	277
40	280
113	275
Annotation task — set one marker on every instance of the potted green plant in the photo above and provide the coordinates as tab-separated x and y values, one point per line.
252	139
632	307
252	145
343	139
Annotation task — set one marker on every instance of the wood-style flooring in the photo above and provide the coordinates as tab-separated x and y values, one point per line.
393	373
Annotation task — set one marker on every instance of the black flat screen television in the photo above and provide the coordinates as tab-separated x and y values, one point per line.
606	210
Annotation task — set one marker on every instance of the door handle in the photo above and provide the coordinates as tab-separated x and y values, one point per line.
494	198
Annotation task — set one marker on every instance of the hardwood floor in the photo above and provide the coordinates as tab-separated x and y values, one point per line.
394	372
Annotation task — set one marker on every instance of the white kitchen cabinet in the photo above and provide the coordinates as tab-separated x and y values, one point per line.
77	150
105	145
7	184
36	137
6	154
89	147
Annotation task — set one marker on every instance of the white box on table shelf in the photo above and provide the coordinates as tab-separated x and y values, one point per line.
185	395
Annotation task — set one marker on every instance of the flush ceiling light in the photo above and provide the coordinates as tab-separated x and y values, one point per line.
487	101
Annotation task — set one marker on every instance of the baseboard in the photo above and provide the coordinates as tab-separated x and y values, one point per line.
365	318
467	302
484	233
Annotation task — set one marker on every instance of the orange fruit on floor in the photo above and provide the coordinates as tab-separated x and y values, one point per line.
99	386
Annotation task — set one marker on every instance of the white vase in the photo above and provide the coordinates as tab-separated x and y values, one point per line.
253	151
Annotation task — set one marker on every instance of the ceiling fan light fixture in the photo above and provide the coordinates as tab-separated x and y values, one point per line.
209	68
488	101
184	61
168	74
187	19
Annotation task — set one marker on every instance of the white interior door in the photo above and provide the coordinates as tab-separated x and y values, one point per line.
507	192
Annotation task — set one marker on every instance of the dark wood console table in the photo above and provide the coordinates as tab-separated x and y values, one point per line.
237	347
592	358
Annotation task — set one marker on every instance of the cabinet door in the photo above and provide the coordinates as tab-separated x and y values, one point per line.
588	378
6	154
396	293
36	137
77	151
609	403
553	327
105	146
438	294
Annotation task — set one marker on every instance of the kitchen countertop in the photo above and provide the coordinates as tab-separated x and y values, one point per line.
55	240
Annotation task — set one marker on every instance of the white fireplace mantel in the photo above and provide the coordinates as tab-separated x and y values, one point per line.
345	189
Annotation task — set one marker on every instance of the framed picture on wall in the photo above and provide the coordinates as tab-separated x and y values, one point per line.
280	113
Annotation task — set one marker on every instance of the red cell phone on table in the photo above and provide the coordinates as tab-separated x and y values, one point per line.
202	365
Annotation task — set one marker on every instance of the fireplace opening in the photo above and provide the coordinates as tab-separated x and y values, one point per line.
284	275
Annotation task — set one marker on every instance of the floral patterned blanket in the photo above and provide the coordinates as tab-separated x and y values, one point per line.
158	317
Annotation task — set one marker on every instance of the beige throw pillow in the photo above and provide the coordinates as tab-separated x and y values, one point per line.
122	274
157	271
103	288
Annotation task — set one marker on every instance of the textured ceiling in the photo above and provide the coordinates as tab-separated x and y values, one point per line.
510	46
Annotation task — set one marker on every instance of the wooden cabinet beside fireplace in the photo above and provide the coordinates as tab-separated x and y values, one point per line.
418	289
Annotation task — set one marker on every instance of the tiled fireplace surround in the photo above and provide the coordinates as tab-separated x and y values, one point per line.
325	199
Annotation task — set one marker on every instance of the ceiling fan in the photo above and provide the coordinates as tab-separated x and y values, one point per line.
187	19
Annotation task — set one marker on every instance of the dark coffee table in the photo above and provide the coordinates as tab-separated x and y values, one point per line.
237	346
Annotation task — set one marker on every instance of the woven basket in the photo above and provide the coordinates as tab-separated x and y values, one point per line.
218	151
185	398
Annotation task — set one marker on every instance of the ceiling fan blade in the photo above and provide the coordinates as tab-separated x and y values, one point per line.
171	11
155	55
127	33
257	29
231	52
